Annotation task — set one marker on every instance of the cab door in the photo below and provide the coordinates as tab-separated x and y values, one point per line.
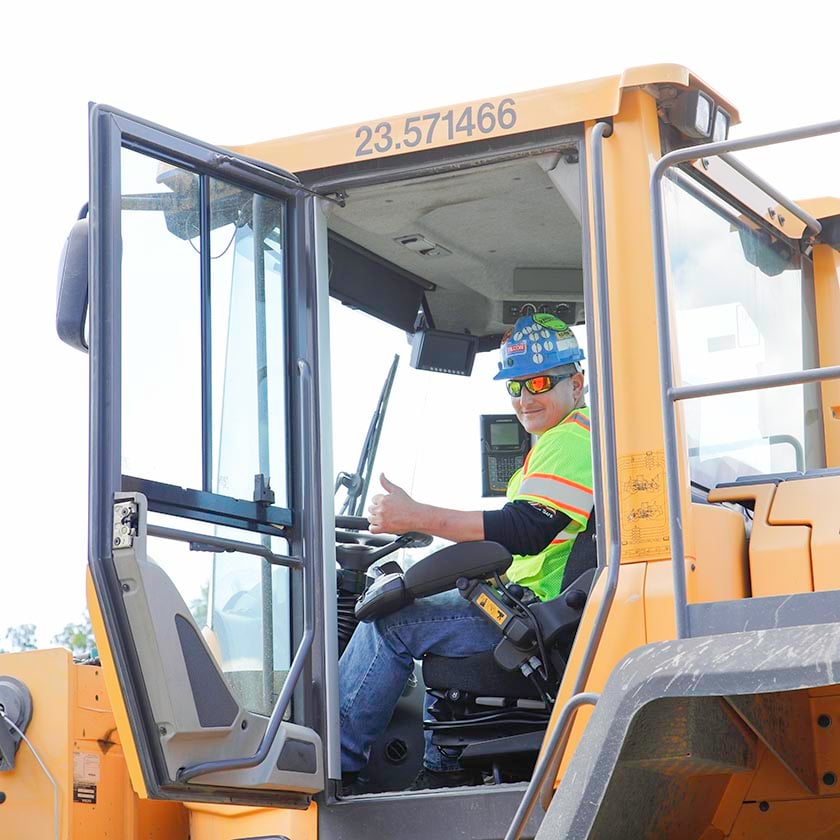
204	449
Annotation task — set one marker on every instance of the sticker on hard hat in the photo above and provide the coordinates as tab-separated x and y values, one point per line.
550	321
517	349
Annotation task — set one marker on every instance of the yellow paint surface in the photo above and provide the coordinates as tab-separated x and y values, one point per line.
226	822
73	731
554	106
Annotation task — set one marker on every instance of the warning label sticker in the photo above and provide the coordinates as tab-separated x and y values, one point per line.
84	793
643	504
86	768
491	608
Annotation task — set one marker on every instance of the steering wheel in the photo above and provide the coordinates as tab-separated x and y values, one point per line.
357	550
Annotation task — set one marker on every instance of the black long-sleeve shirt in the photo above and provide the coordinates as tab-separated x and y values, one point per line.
523	527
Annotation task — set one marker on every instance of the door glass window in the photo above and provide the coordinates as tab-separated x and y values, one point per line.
249	619
161	322
249	393
163	365
240	601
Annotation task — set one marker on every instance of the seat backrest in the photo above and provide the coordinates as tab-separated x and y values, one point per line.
584	554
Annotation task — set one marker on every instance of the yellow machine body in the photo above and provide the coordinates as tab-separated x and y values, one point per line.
74	734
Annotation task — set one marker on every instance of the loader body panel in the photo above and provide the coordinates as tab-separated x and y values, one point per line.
678	720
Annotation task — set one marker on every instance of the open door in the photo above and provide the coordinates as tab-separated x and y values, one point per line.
203	450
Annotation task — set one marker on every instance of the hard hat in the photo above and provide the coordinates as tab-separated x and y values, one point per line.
537	343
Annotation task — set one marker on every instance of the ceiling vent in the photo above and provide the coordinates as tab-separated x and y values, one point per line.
421	245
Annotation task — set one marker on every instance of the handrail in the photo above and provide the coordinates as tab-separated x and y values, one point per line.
554	746
546	771
225	545
301	654
670	394
754	383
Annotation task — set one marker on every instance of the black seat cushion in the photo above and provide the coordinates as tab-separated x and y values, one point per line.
479	675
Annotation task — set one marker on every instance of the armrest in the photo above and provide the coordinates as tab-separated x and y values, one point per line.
431	575
439	571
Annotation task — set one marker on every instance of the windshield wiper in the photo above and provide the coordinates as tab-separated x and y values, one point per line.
357	483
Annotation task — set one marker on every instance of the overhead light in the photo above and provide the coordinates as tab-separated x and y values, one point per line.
420	245
720	130
692	113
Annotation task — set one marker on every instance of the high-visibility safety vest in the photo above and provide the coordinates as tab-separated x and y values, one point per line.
557	474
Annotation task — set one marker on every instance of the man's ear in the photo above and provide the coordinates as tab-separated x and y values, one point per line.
577	385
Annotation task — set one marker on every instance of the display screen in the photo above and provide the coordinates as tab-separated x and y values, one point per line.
445	352
504	434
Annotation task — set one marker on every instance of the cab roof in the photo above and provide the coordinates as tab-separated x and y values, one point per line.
567	104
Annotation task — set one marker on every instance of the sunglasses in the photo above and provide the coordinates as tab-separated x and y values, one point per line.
541	384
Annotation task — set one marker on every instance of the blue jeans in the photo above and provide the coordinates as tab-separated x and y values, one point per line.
375	666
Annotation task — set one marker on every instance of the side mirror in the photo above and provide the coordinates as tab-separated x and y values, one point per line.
72	295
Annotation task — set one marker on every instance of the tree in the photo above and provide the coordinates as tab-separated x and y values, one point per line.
21	637
77	637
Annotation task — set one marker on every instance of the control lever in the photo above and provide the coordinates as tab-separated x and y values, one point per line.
387	593
412	539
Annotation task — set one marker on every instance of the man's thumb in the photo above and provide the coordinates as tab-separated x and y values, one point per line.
389	485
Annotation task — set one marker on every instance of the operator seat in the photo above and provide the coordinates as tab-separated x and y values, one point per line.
480	673
493	718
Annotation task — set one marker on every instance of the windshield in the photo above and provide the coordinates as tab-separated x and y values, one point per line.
743	307
430	442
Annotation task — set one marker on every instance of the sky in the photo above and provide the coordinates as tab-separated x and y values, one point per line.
255	71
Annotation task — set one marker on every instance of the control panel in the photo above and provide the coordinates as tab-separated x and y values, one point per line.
569	311
504	445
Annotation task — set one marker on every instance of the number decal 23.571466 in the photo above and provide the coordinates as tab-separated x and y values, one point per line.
426	129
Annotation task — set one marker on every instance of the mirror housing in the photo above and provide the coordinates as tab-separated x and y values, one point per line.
72	293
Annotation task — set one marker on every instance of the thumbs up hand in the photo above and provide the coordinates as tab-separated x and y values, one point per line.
392	512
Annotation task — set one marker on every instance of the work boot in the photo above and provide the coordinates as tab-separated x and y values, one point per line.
428	779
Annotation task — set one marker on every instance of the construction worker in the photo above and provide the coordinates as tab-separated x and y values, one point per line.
549	503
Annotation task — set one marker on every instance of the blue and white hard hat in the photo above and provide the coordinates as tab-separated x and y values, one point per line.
537	343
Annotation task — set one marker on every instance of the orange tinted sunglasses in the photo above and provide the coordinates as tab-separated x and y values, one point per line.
541	384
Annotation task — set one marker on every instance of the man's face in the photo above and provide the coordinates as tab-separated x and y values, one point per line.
540	412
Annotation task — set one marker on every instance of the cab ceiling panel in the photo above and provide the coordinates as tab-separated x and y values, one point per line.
490	221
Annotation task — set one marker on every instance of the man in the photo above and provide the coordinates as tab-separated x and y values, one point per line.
549	503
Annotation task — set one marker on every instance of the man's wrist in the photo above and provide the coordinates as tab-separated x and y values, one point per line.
425	518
